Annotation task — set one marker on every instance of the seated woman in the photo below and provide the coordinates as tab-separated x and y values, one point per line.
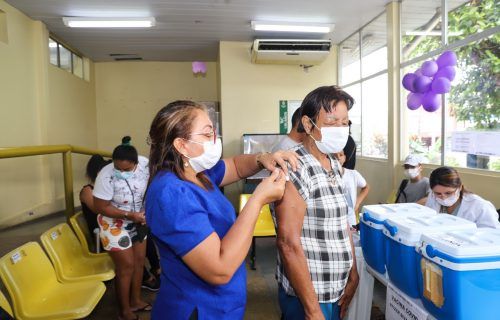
95	164
450	196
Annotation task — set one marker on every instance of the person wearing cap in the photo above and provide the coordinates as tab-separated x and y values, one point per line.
416	187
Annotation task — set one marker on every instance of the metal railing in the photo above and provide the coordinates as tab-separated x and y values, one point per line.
66	150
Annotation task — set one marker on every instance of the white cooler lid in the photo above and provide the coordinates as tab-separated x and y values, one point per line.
381	212
411	228
482	242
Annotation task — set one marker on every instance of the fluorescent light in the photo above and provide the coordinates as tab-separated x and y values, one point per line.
430	33
287	27
79	22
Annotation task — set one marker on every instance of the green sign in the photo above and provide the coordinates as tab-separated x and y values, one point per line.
283	116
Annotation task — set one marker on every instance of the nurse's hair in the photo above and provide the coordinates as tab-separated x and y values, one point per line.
447	177
171	122
126	151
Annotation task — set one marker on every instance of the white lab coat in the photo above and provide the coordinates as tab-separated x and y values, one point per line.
473	208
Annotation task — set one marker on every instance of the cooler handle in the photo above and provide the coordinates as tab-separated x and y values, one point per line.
392	229
433	252
367	217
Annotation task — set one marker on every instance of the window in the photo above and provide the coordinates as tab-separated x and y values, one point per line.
67	59
363	74
470	116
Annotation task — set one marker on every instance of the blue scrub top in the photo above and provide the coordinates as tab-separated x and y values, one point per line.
181	215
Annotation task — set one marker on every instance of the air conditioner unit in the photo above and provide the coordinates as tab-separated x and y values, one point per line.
286	51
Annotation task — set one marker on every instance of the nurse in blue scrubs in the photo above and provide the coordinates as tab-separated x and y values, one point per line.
201	242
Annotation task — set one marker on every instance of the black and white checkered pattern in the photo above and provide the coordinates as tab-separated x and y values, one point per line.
325	237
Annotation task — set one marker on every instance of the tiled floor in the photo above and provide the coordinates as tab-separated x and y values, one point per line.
262	300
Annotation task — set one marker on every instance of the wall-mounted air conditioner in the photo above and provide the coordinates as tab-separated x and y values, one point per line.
286	51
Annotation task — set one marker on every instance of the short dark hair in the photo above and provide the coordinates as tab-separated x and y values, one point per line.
296	117
325	98
95	164
126	151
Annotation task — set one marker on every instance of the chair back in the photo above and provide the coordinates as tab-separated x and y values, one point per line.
81	228
63	248
27	273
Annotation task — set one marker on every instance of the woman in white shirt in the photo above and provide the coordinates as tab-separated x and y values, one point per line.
450	196
118	198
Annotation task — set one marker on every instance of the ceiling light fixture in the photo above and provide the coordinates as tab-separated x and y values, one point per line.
81	22
292	27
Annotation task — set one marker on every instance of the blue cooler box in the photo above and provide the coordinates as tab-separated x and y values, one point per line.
372	225
403	235
460	274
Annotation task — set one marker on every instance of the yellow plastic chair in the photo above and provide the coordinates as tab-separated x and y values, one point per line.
392	196
4	304
263	228
81	229
67	256
35	292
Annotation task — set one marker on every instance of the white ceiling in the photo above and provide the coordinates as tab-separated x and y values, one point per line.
188	30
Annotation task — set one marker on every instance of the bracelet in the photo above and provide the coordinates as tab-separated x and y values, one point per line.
259	163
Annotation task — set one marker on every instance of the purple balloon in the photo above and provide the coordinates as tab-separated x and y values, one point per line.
440	85
431	101
418	72
448	72
429	68
414	100
422	84
408	80
199	67
447	58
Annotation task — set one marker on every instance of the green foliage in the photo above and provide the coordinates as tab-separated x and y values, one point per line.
495	165
477	97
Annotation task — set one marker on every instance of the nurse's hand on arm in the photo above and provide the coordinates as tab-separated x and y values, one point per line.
290	213
215	260
246	165
105	208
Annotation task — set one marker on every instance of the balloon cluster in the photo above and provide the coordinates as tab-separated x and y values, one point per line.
432	79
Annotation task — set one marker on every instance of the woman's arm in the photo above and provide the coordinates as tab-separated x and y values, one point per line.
361	197
216	260
290	213
246	165
87	198
352	280
105	208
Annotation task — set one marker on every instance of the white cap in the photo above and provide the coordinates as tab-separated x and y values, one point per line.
414	160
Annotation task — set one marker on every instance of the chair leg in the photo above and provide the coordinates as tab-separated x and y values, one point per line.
252	255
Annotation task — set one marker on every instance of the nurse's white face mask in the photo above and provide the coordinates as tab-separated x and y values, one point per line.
211	155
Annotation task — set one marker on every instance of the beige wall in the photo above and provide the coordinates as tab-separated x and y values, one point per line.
129	94
250	94
39	104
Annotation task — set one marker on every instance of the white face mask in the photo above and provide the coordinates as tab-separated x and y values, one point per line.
210	156
333	139
451	200
412	173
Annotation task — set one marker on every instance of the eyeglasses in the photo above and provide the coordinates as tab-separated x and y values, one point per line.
446	194
212	135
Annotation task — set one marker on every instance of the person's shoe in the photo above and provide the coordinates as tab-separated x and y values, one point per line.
153	284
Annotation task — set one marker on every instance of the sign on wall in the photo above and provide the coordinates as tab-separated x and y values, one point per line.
287	108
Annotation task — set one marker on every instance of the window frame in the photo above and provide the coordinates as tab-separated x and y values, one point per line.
72	54
444	46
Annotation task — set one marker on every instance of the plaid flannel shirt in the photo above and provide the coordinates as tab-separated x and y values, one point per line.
325	239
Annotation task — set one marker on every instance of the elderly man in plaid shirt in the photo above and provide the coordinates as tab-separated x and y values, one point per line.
316	270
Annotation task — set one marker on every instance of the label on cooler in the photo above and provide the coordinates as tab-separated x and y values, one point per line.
401	307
